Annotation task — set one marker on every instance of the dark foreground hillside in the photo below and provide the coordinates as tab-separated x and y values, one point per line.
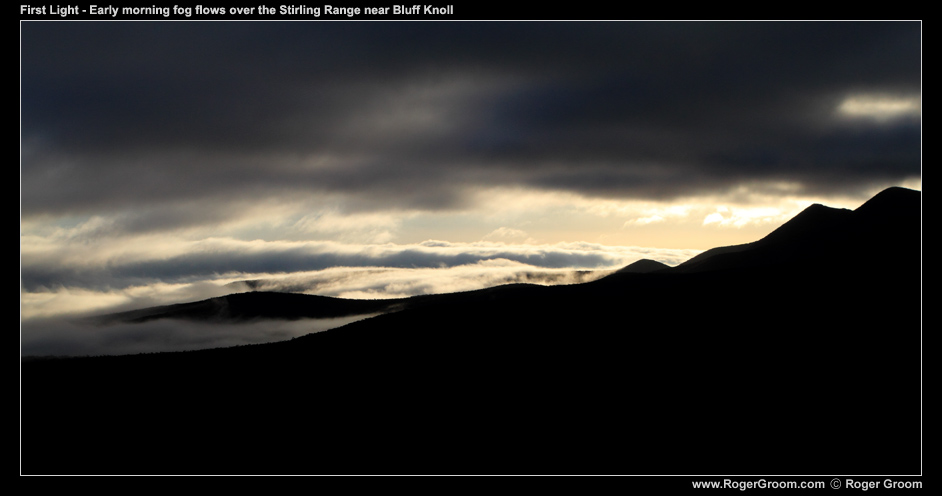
802	364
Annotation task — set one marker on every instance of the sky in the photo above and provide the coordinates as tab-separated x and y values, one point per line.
163	162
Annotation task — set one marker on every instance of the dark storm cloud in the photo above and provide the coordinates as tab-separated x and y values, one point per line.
409	115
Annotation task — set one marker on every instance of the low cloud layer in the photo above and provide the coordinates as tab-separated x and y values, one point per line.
191	261
352	271
69	337
385	282
54	320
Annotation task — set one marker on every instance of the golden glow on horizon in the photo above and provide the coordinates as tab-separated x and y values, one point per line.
501	226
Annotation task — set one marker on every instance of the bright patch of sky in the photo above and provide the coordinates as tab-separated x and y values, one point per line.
881	108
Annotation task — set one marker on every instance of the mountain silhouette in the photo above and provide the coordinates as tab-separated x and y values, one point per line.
644	266
799	353
886	221
256	305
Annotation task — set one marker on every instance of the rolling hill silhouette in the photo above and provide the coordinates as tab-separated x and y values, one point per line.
256	305
799	353
644	266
